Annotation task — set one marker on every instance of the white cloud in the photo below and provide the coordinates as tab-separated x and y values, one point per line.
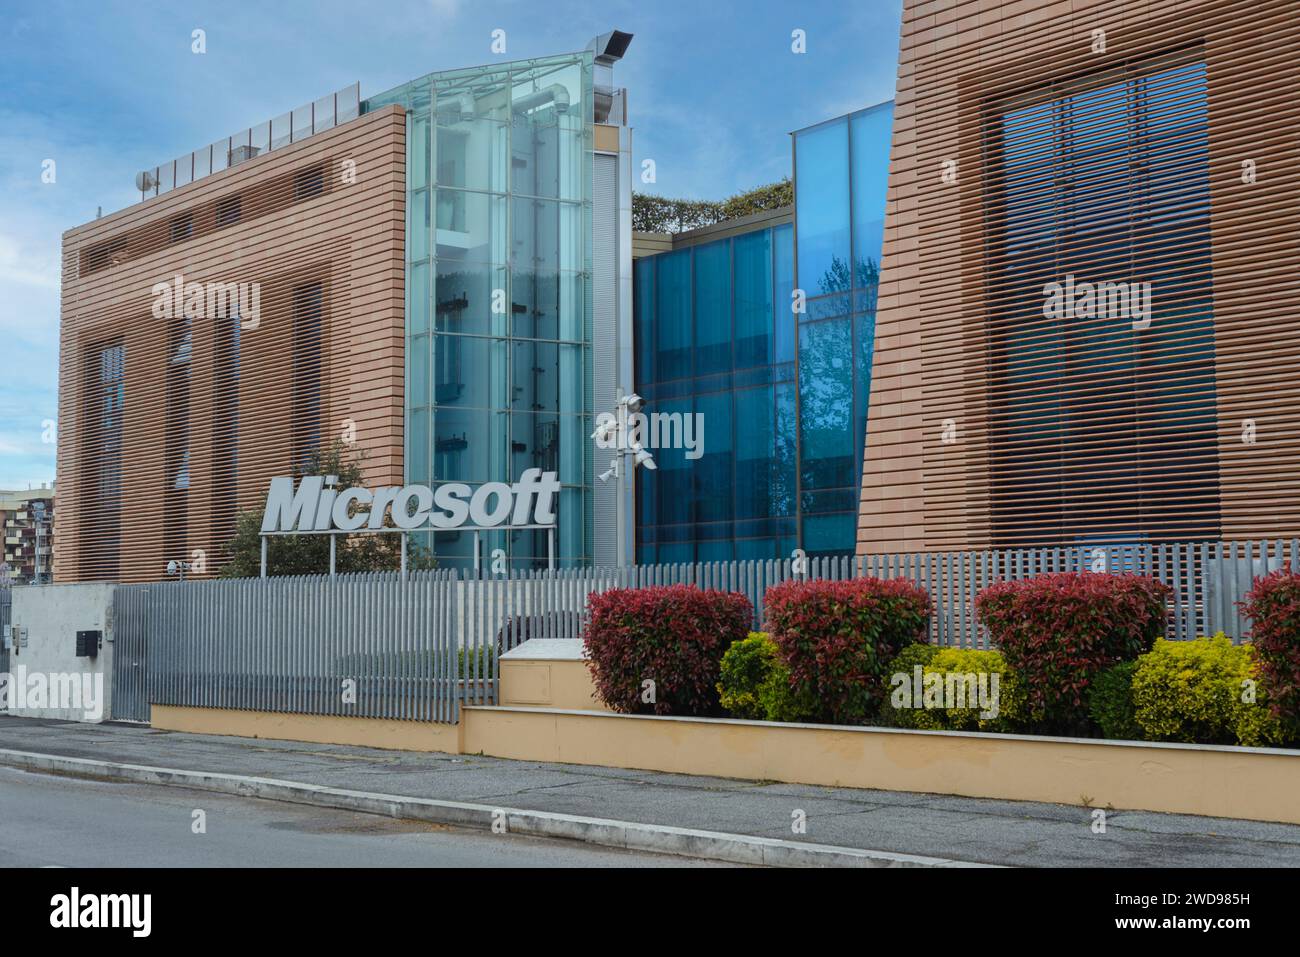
26	266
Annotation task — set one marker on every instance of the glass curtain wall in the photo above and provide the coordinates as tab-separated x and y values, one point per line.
498	285
715	340
841	176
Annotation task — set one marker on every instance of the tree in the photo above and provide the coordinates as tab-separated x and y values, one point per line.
310	554
661	214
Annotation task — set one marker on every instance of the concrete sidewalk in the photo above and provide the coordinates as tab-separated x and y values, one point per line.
935	826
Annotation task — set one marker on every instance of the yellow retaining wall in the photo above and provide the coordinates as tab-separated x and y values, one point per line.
1258	784
1253	783
319	728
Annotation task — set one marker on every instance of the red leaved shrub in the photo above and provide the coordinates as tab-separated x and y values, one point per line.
1273	605
837	637
1058	631
673	635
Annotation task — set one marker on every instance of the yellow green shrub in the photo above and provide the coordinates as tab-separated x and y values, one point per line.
754	683
1206	690
946	674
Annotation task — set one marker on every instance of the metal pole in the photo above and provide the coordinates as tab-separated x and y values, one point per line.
620	520
263	556
476	552
333	538
550	548
403	556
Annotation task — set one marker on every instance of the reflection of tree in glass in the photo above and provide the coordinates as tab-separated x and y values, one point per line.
825	386
784	463
836	278
868	273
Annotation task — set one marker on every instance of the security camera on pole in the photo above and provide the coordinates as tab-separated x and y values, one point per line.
612	433
178	569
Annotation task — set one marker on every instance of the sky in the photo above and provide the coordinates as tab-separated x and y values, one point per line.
106	89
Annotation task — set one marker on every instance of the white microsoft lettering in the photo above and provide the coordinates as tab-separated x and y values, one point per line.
314	505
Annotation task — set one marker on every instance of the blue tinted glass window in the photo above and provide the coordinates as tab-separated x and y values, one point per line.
785	466
716	550
822	207
714	482
647	497
783	260
671	553
753	257
755	452
673	475
829	534
673	315
826	404
871	131
712	308
864	330
757	549
643	317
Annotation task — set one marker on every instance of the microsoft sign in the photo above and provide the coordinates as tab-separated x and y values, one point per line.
315	506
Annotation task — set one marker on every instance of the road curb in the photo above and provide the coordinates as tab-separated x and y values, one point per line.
657	838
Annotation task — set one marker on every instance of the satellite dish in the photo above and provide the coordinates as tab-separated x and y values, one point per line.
171	568
145	181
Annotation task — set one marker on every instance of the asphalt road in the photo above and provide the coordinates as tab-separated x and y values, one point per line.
61	821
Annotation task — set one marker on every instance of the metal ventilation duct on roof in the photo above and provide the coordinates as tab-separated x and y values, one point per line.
609	49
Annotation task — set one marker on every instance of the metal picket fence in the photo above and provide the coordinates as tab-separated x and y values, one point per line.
422	647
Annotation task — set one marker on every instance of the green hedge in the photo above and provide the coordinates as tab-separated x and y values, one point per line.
1205	691
1110	702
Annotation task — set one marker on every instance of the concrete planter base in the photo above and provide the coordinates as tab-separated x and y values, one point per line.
549	712
1259	784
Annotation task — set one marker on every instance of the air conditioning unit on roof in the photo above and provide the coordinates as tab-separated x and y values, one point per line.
241	153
